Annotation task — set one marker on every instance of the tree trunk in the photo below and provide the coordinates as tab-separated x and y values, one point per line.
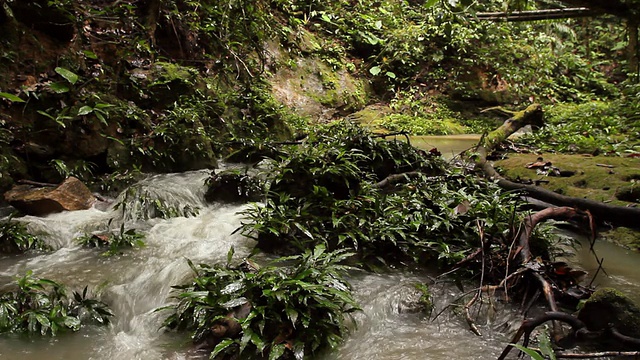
632	28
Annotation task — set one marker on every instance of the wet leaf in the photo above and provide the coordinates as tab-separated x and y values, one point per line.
67	74
85	110
10	97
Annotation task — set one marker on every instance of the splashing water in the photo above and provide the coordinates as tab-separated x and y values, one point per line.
139	281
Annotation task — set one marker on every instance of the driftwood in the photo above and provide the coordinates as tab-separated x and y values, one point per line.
616	215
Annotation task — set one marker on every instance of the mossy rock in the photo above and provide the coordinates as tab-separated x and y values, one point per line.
609	307
625	237
163	83
313	89
230	186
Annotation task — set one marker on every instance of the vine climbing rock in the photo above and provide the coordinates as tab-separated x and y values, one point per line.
70	195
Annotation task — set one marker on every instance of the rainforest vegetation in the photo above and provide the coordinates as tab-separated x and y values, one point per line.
320	100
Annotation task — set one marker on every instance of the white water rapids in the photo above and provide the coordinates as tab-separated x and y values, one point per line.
139	281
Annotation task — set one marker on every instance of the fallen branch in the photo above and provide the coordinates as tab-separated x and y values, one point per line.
36	183
530	222
579	331
594	355
619	215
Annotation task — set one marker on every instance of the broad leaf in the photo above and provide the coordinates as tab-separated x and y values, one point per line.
85	110
220	347
67	74
534	354
10	97
59	88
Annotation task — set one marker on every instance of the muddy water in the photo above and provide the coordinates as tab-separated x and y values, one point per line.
138	282
449	146
620	266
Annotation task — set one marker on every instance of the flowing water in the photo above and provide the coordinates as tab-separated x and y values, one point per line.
139	281
449	146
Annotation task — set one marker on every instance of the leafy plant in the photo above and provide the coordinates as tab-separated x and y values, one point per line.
297	306
139	203
328	192
14	237
114	242
42	306
591	127
545	351
81	169
60	87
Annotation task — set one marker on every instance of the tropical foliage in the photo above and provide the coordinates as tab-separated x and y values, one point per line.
14	237
42	306
294	306
114	242
329	191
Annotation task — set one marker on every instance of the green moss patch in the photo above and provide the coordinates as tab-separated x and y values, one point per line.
622	236
591	180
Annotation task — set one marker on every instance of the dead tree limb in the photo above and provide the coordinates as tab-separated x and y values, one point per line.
579	331
533	15
595	355
530	222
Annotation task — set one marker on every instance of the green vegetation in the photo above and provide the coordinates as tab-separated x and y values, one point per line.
114	242
126	88
295	306
15	238
594	127
326	192
140	204
42	306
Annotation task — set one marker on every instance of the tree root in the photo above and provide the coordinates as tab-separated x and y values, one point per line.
595	355
579	331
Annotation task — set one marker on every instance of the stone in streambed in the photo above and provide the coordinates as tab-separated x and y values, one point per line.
70	195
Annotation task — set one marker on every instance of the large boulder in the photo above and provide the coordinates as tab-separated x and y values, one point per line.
609	307
71	195
230	186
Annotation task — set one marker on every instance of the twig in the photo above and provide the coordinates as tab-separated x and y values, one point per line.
594	355
467	315
600	262
499	109
35	183
478	294
606	165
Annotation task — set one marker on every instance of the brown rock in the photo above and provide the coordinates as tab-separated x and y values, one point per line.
71	195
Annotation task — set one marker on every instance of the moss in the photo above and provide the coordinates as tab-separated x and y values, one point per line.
622	236
311	88
607	307
590	180
165	73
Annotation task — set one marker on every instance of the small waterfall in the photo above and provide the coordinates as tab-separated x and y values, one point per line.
137	282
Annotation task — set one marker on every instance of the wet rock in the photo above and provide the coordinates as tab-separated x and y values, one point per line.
71	195
609	307
233	187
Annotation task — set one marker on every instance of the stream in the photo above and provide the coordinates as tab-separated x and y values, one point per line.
139	281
